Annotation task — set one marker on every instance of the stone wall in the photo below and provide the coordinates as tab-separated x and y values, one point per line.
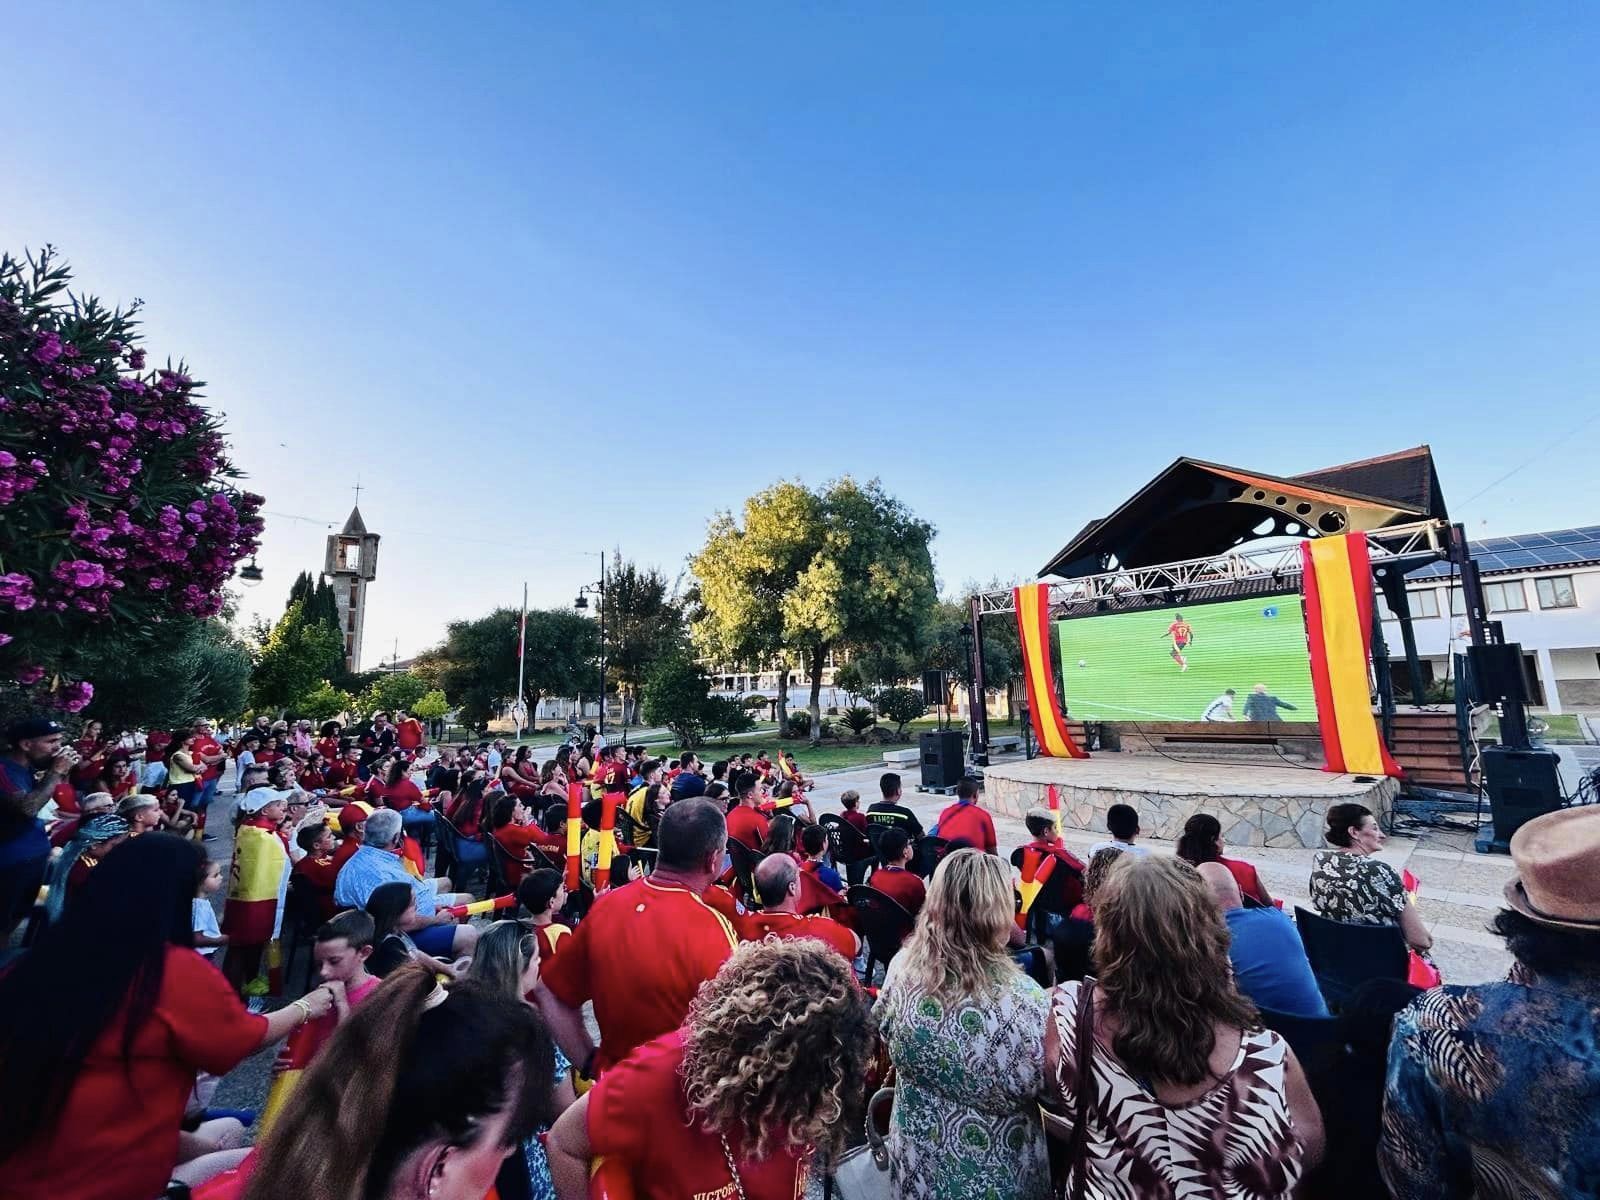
1278	811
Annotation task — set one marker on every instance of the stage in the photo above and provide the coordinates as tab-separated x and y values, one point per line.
1258	804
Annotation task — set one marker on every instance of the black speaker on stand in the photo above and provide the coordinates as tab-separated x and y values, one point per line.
1521	782
943	761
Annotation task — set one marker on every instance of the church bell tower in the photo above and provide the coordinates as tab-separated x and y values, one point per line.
352	563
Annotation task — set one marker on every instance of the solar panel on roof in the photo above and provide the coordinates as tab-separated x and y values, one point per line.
1572	537
1493	545
1557	555
1511	560
1533	541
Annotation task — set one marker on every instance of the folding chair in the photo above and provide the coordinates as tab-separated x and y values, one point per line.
883	924
1343	955
851	849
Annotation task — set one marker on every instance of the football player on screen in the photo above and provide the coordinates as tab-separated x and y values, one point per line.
1181	633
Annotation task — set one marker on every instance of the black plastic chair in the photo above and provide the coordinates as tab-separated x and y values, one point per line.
1074	945
930	850
1343	956
460	857
1060	893
883	924
302	917
744	869
851	848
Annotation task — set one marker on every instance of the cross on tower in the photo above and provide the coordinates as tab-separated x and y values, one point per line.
358	491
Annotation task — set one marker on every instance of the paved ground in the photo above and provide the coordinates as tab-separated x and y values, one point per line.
1461	891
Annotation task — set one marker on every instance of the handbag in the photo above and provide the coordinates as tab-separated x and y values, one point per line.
1075	1161
863	1173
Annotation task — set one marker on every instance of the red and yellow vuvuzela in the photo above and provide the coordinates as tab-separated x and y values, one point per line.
1337	583
1033	624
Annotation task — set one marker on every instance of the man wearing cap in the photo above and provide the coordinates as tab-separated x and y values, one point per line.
30	769
1494	1088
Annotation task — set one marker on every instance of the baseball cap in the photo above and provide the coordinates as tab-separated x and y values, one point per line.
353	814
255	800
32	727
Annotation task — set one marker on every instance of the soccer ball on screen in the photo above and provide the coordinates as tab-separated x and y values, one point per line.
1083	662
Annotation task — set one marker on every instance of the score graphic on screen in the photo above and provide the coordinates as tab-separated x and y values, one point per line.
1180	664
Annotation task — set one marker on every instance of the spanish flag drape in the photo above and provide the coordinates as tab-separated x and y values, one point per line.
1337	583
1033	624
574	835
1037	867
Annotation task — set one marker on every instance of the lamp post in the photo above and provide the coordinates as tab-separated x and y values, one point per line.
598	590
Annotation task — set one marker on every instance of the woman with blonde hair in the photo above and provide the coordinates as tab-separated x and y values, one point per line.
1161	1077
965	1030
766	1072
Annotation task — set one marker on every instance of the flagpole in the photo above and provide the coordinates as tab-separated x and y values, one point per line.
522	657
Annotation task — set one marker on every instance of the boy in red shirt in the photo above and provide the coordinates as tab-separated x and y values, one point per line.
892	879
966	821
850	801
746	822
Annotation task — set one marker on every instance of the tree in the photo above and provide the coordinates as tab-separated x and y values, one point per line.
117	509
643	625
901	705
431	706
725	716
859	718
847	567
181	671
476	664
293	661
676	695
392	690
324	702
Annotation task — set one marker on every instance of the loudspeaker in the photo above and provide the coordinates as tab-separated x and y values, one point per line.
1522	785
943	763
933	687
1497	672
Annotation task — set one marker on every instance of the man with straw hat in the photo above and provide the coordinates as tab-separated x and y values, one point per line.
1494	1089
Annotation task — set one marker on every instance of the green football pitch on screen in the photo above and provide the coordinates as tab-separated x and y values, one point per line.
1173	664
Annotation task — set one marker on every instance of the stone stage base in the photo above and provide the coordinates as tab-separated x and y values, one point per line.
1257	805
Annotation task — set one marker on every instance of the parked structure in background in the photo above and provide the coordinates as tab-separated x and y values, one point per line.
1544	588
351	564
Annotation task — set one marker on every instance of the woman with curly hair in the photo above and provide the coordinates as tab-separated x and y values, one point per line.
764	1073
1186	1091
965	1030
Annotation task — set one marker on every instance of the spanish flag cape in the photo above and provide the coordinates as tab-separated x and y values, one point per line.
257	885
297	1051
1037	867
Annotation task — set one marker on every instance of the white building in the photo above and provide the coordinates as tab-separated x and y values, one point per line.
1544	589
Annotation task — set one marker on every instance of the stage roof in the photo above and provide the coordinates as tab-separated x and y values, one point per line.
1196	508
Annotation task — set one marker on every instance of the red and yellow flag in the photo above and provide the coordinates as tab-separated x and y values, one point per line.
574	836
1337	584
1033	624
608	841
1037	867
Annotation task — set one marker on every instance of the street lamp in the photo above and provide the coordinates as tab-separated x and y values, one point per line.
250	574
598	590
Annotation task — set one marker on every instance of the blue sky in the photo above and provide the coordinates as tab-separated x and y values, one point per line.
553	278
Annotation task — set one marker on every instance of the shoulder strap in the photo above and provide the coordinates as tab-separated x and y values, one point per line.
1084	1062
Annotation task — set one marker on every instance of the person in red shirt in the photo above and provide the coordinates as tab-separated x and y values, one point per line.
319	867
892	878
543	893
515	830
769	1051
612	770
1201	842
409	735
852	815
965	821
777	879
1181	633
103	1112
313	775
343	772
327	744
352	832
520	774
207	753
1047	838
646	947
746	822
92	750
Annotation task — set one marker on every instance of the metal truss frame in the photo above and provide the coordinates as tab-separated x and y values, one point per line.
1422	541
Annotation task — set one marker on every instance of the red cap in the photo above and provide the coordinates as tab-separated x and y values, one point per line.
352	815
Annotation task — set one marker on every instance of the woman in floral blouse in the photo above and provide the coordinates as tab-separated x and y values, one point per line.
1349	884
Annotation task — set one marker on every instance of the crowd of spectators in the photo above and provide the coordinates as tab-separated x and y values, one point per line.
674	999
